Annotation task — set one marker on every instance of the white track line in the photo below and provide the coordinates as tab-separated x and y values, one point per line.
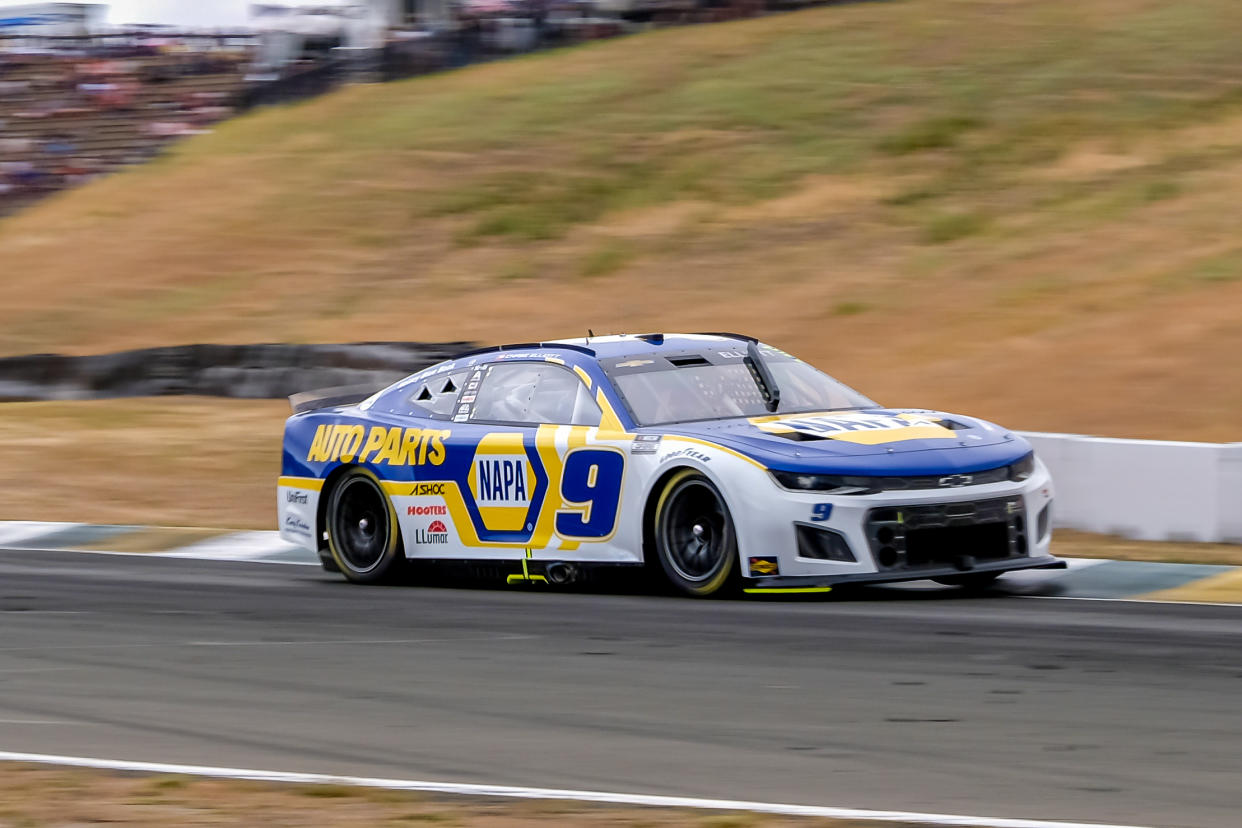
550	793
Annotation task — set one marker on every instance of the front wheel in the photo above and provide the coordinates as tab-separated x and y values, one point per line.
363	537
694	536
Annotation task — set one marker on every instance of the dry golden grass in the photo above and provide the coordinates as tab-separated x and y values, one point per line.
40	795
1070	544
169	461
1025	210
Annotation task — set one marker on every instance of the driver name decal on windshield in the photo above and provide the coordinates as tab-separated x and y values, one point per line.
858	427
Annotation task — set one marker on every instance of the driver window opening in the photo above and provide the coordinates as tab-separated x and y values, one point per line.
535	393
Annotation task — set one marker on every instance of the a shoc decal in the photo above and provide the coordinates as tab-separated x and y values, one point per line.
858	427
591	488
425	489
379	445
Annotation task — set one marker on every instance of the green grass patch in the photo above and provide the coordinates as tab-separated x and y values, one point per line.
949	227
607	258
329	791
933	133
1215	270
518	270
850	308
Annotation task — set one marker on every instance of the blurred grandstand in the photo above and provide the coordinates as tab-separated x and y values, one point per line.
75	107
79	99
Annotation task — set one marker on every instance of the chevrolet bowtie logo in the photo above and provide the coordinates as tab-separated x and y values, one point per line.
955	480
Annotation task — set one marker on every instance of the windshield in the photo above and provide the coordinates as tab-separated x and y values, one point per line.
678	394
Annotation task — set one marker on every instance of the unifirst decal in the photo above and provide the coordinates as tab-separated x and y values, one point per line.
391	446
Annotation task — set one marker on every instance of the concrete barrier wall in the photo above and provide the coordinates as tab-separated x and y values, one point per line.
1145	489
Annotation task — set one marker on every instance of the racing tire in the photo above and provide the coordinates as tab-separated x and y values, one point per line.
363	537
694	537
973	581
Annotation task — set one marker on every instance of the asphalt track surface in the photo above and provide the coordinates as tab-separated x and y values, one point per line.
996	706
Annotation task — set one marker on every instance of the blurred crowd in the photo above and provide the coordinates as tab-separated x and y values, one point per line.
72	109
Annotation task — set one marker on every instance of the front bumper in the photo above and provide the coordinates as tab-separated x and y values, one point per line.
812	581
895	535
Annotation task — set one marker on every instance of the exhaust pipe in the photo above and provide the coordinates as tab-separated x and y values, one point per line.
561	573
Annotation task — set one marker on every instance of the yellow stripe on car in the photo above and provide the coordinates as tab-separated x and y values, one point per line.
314	484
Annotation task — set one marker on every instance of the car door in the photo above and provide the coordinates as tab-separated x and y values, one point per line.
527	476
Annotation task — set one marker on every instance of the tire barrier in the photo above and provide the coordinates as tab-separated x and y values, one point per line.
244	371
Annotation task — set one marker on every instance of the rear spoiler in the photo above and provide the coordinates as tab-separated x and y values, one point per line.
328	397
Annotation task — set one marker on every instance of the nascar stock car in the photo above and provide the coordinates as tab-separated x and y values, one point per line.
718	461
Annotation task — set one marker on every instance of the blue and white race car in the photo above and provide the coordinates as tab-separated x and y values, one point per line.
719	462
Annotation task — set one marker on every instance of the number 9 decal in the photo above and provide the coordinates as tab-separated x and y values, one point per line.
591	488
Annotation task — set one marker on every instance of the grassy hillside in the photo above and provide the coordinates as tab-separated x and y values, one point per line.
1022	208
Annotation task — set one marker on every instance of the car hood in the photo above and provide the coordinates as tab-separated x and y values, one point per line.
875	441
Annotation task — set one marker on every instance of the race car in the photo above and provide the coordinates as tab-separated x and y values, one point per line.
718	462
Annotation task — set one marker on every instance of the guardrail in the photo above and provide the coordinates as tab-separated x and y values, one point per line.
1145	489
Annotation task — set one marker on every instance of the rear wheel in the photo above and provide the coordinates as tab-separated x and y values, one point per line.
694	536
363	537
974	580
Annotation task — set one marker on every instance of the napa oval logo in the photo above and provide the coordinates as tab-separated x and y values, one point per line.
506	485
857	427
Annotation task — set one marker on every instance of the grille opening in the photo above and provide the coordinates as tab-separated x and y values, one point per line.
688	360
948	544
823	545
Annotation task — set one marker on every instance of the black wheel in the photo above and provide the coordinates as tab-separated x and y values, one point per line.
971	581
694	536
363	537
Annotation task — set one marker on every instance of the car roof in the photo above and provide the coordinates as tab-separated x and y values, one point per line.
623	345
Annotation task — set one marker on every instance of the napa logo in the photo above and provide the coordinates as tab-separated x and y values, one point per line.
502	480
860	427
506	488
